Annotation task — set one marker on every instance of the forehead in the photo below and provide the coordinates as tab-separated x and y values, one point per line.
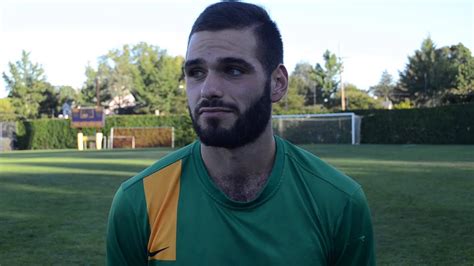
209	46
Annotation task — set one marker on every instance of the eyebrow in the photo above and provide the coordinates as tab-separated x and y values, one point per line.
236	61
221	61
193	62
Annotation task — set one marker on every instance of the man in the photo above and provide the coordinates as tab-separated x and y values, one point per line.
239	195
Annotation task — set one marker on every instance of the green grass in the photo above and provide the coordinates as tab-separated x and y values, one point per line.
54	204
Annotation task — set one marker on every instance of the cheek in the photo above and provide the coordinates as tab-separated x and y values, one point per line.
193	96
248	94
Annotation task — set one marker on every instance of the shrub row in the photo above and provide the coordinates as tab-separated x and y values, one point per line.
58	134
453	124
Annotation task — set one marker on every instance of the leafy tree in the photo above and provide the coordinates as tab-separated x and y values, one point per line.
463	66
405	104
465	78
27	86
49	105
434	75
55	97
293	102
124	75
146	72
357	99
162	88
417	78
66	94
318	84
303	80
326	77
116	77
100	77
7	112
384	89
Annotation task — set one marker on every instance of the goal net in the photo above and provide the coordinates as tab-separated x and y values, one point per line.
336	128
141	137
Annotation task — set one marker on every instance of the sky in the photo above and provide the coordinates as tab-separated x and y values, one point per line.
64	36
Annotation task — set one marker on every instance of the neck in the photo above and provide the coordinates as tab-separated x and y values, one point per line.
241	173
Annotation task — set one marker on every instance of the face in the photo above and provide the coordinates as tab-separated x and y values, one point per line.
228	92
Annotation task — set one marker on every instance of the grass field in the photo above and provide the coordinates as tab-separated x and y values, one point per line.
54	204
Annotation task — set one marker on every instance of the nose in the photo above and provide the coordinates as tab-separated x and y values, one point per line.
211	87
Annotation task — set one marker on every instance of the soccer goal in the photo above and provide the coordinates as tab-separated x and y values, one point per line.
141	137
336	128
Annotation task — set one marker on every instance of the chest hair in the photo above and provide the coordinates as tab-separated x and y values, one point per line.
241	188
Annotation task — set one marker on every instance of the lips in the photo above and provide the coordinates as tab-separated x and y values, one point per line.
214	110
214	107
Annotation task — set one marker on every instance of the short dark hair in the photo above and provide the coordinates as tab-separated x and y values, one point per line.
238	15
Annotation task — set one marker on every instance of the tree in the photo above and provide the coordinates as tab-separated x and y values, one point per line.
144	71
162	87
326	77
66	94
124	76
318	84
433	75
463	66
94	78
303	80
49	105
27	86
384	89
417	78
357	99
405	104
292	102
116	78
55	97
7	112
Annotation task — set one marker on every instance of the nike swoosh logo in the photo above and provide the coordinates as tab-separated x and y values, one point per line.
153	253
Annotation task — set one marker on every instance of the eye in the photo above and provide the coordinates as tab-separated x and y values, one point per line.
234	71
196	73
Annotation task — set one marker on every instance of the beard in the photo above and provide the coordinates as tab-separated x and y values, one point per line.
246	129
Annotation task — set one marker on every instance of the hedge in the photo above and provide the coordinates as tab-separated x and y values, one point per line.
452	124
58	134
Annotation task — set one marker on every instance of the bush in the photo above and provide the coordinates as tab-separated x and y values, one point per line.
58	134
453	124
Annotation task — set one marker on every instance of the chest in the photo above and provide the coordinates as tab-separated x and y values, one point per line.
276	233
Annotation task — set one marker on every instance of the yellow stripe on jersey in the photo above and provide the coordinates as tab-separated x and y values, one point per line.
162	193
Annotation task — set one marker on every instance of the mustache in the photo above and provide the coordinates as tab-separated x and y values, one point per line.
214	103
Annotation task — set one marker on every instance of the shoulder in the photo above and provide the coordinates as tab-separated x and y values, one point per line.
320	172
160	165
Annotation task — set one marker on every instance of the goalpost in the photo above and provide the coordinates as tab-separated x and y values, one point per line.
334	128
141	137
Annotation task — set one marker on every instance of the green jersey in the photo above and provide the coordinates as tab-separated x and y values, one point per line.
172	213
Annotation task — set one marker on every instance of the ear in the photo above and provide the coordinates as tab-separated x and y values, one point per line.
279	83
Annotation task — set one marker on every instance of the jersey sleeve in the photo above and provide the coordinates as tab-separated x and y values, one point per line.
126	241
354	241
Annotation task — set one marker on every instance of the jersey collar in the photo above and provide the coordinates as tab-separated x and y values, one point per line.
268	191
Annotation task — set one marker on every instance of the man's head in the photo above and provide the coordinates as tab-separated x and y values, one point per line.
231	80
239	16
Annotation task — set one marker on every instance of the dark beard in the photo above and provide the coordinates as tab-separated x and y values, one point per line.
246	129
